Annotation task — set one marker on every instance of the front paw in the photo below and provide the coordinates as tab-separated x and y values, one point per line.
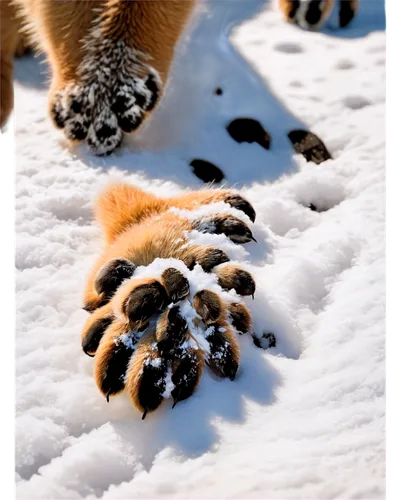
111	95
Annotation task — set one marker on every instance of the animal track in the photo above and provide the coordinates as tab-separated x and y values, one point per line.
113	91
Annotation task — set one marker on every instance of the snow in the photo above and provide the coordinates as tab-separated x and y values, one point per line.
305	419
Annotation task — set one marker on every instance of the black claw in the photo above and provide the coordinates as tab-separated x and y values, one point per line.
144	413
252	296
108	396
232	372
252	237
176	399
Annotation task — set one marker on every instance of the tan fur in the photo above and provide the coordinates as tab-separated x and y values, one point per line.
58	27
135	230
140	228
12	42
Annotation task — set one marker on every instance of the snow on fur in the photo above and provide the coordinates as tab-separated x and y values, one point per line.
304	419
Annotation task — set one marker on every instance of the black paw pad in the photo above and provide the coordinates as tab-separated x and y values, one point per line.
175	283
128	107
111	275
236	201
144	302
309	145
104	134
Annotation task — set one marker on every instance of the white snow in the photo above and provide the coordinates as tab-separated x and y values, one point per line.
305	419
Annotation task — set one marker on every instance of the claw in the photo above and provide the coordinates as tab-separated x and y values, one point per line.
145	413
176	398
252	237
108	395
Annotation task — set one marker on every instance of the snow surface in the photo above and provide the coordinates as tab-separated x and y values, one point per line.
303	420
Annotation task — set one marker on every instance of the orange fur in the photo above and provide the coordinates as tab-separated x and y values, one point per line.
58	27
134	229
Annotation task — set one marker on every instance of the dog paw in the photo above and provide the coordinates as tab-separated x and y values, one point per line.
112	93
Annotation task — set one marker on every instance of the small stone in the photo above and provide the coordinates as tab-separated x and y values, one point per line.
206	171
